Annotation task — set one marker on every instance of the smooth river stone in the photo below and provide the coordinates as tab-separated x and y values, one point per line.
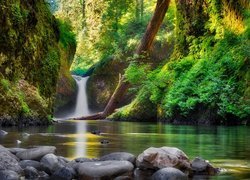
119	156
169	173
31	172
32	163
65	173
36	153
104	169
51	162
157	158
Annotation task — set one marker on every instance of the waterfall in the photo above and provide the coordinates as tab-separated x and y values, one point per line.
81	108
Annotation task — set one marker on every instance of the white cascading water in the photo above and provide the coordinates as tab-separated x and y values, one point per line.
81	108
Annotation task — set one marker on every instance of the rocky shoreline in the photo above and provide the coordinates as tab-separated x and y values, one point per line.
41	162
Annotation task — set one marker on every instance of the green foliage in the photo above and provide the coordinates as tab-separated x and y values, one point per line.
214	81
67	37
5	84
24	108
136	74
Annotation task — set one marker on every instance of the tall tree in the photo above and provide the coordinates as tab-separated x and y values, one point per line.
143	48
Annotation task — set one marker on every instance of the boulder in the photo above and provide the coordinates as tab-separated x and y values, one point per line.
104	169
32	163
157	158
7	162
51	162
119	156
65	173
3	149
43	175
36	153
63	159
8	175
169	173
15	150
31	172
201	166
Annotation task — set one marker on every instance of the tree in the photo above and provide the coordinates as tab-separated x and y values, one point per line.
143	49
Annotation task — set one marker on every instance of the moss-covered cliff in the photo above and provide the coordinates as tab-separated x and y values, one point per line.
29	62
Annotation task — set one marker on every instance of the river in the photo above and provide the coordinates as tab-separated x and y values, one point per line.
226	147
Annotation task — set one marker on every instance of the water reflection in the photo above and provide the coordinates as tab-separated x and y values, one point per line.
81	140
226	147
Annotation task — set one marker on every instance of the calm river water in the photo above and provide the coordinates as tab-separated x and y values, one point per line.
225	147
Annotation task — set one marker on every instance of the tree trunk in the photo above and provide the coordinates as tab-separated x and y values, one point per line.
143	48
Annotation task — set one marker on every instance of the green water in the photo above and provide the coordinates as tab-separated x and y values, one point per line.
225	147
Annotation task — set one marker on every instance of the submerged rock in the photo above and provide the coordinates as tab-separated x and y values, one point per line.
104	169
169	173
36	153
97	132
104	141
201	166
119	156
157	158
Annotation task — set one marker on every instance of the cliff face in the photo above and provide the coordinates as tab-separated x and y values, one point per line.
30	60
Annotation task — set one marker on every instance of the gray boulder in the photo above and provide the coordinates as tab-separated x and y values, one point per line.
51	162
7	162
201	166
43	175
15	150
32	163
31	172
65	173
169	173
104	169
3	149
76	162
63	159
36	153
157	158
119	156
8	175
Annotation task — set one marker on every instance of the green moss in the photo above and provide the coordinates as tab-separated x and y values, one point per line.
5	84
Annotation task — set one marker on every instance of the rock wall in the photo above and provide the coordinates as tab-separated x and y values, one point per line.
30	61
